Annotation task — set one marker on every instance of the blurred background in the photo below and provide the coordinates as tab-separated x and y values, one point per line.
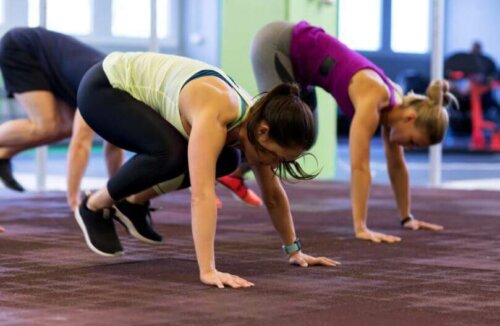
395	34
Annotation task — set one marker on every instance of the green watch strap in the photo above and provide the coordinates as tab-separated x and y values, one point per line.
294	247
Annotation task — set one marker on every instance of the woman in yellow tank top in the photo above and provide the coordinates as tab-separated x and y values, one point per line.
187	123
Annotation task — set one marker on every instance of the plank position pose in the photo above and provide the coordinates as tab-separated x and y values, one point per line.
305	54
187	121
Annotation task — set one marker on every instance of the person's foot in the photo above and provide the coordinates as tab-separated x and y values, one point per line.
99	230
240	191
137	220
7	177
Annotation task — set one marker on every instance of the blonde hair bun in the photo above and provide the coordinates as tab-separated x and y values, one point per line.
438	92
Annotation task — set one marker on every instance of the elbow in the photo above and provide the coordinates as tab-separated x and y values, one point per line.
202	197
198	198
360	169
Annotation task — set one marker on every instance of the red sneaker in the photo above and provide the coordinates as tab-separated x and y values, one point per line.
240	191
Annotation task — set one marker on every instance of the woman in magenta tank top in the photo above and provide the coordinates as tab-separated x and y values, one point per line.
305	54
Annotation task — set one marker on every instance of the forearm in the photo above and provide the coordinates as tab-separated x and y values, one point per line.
281	217
360	192
78	157
400	182
204	223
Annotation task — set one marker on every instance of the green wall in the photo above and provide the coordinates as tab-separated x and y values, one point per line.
241	19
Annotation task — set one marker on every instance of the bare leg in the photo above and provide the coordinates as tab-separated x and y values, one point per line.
48	121
99	200
143	197
8	152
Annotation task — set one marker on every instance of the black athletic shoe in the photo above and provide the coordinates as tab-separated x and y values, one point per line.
99	230
7	177
137	220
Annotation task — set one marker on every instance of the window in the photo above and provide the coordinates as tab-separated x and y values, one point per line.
70	17
360	24
132	18
2	12
33	13
410	26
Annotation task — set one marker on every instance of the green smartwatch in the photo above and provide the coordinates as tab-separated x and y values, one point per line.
294	247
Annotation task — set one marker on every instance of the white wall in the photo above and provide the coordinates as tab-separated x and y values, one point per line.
470	20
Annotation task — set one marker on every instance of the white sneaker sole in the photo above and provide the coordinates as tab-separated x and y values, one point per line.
123	219
79	219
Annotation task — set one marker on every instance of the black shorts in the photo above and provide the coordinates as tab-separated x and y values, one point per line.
20	69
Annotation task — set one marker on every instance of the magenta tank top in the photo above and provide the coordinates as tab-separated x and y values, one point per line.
319	59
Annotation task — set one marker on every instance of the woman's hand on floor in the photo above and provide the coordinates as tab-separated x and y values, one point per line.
220	279
303	260
2	229
421	225
376	237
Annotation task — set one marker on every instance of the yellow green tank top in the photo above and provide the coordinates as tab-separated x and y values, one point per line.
157	79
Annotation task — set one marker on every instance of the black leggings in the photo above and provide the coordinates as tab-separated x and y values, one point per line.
161	150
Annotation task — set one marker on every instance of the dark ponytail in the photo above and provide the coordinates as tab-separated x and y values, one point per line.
291	125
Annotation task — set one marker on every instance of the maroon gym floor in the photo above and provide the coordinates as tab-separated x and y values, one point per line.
49	277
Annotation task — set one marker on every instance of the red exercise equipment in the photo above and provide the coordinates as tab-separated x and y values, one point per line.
479	124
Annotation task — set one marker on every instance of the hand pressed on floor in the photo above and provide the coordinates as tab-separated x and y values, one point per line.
220	279
303	260
376	237
421	225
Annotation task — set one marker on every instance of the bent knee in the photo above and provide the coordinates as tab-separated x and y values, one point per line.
48	132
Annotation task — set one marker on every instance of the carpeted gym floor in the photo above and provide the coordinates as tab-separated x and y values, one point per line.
49	277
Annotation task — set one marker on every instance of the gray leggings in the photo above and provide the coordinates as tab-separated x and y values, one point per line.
271	60
272	65
271	55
